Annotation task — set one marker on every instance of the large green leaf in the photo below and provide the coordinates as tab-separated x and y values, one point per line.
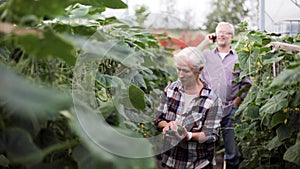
292	154
271	60
296	99
137	98
114	4
101	138
251	112
278	118
19	147
23	98
41	8
37	8
106	108
274	143
275	103
105	80
49	44
89	160
138	79
242	130
287	77
284	132
82	15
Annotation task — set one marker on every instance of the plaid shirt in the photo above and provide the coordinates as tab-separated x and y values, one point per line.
203	114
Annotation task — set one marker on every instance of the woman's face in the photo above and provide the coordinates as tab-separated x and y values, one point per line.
186	74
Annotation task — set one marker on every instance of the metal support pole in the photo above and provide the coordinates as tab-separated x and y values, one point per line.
262	15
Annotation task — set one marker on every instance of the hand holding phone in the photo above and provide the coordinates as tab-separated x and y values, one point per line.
214	37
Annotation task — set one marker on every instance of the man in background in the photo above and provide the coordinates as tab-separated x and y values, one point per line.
220	74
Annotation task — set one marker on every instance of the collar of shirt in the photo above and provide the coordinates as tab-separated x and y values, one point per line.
232	51
203	93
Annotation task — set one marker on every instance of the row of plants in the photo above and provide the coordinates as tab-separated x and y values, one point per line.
70	79
268	134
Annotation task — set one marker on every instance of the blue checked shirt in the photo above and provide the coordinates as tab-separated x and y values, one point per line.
203	114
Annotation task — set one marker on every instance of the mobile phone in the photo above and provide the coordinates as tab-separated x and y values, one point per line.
214	38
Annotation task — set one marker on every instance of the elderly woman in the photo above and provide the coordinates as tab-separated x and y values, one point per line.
189	116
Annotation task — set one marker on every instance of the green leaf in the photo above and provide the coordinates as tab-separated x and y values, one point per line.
4	162
106	108
89	124
49	45
26	99
284	132
50	9
90	160
242	130
271	60
122	53
292	154
264	49
274	143
278	118
275	103
114	4
251	112
137	98
19	147
266	41
139	80
41	8
104	80
296	99
287	77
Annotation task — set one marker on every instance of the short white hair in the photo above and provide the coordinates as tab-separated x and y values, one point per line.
193	55
225	24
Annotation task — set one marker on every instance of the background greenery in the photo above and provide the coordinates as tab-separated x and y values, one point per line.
58	58
269	131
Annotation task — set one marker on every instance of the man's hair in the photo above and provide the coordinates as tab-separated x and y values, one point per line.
193	55
225	24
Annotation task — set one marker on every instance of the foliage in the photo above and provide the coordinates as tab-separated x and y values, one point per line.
270	116
230	11
65	71
141	14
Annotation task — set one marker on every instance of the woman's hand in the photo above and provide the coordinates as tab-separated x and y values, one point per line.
174	130
172	125
184	134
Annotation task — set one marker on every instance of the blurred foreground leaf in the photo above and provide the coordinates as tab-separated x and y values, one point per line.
21	97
